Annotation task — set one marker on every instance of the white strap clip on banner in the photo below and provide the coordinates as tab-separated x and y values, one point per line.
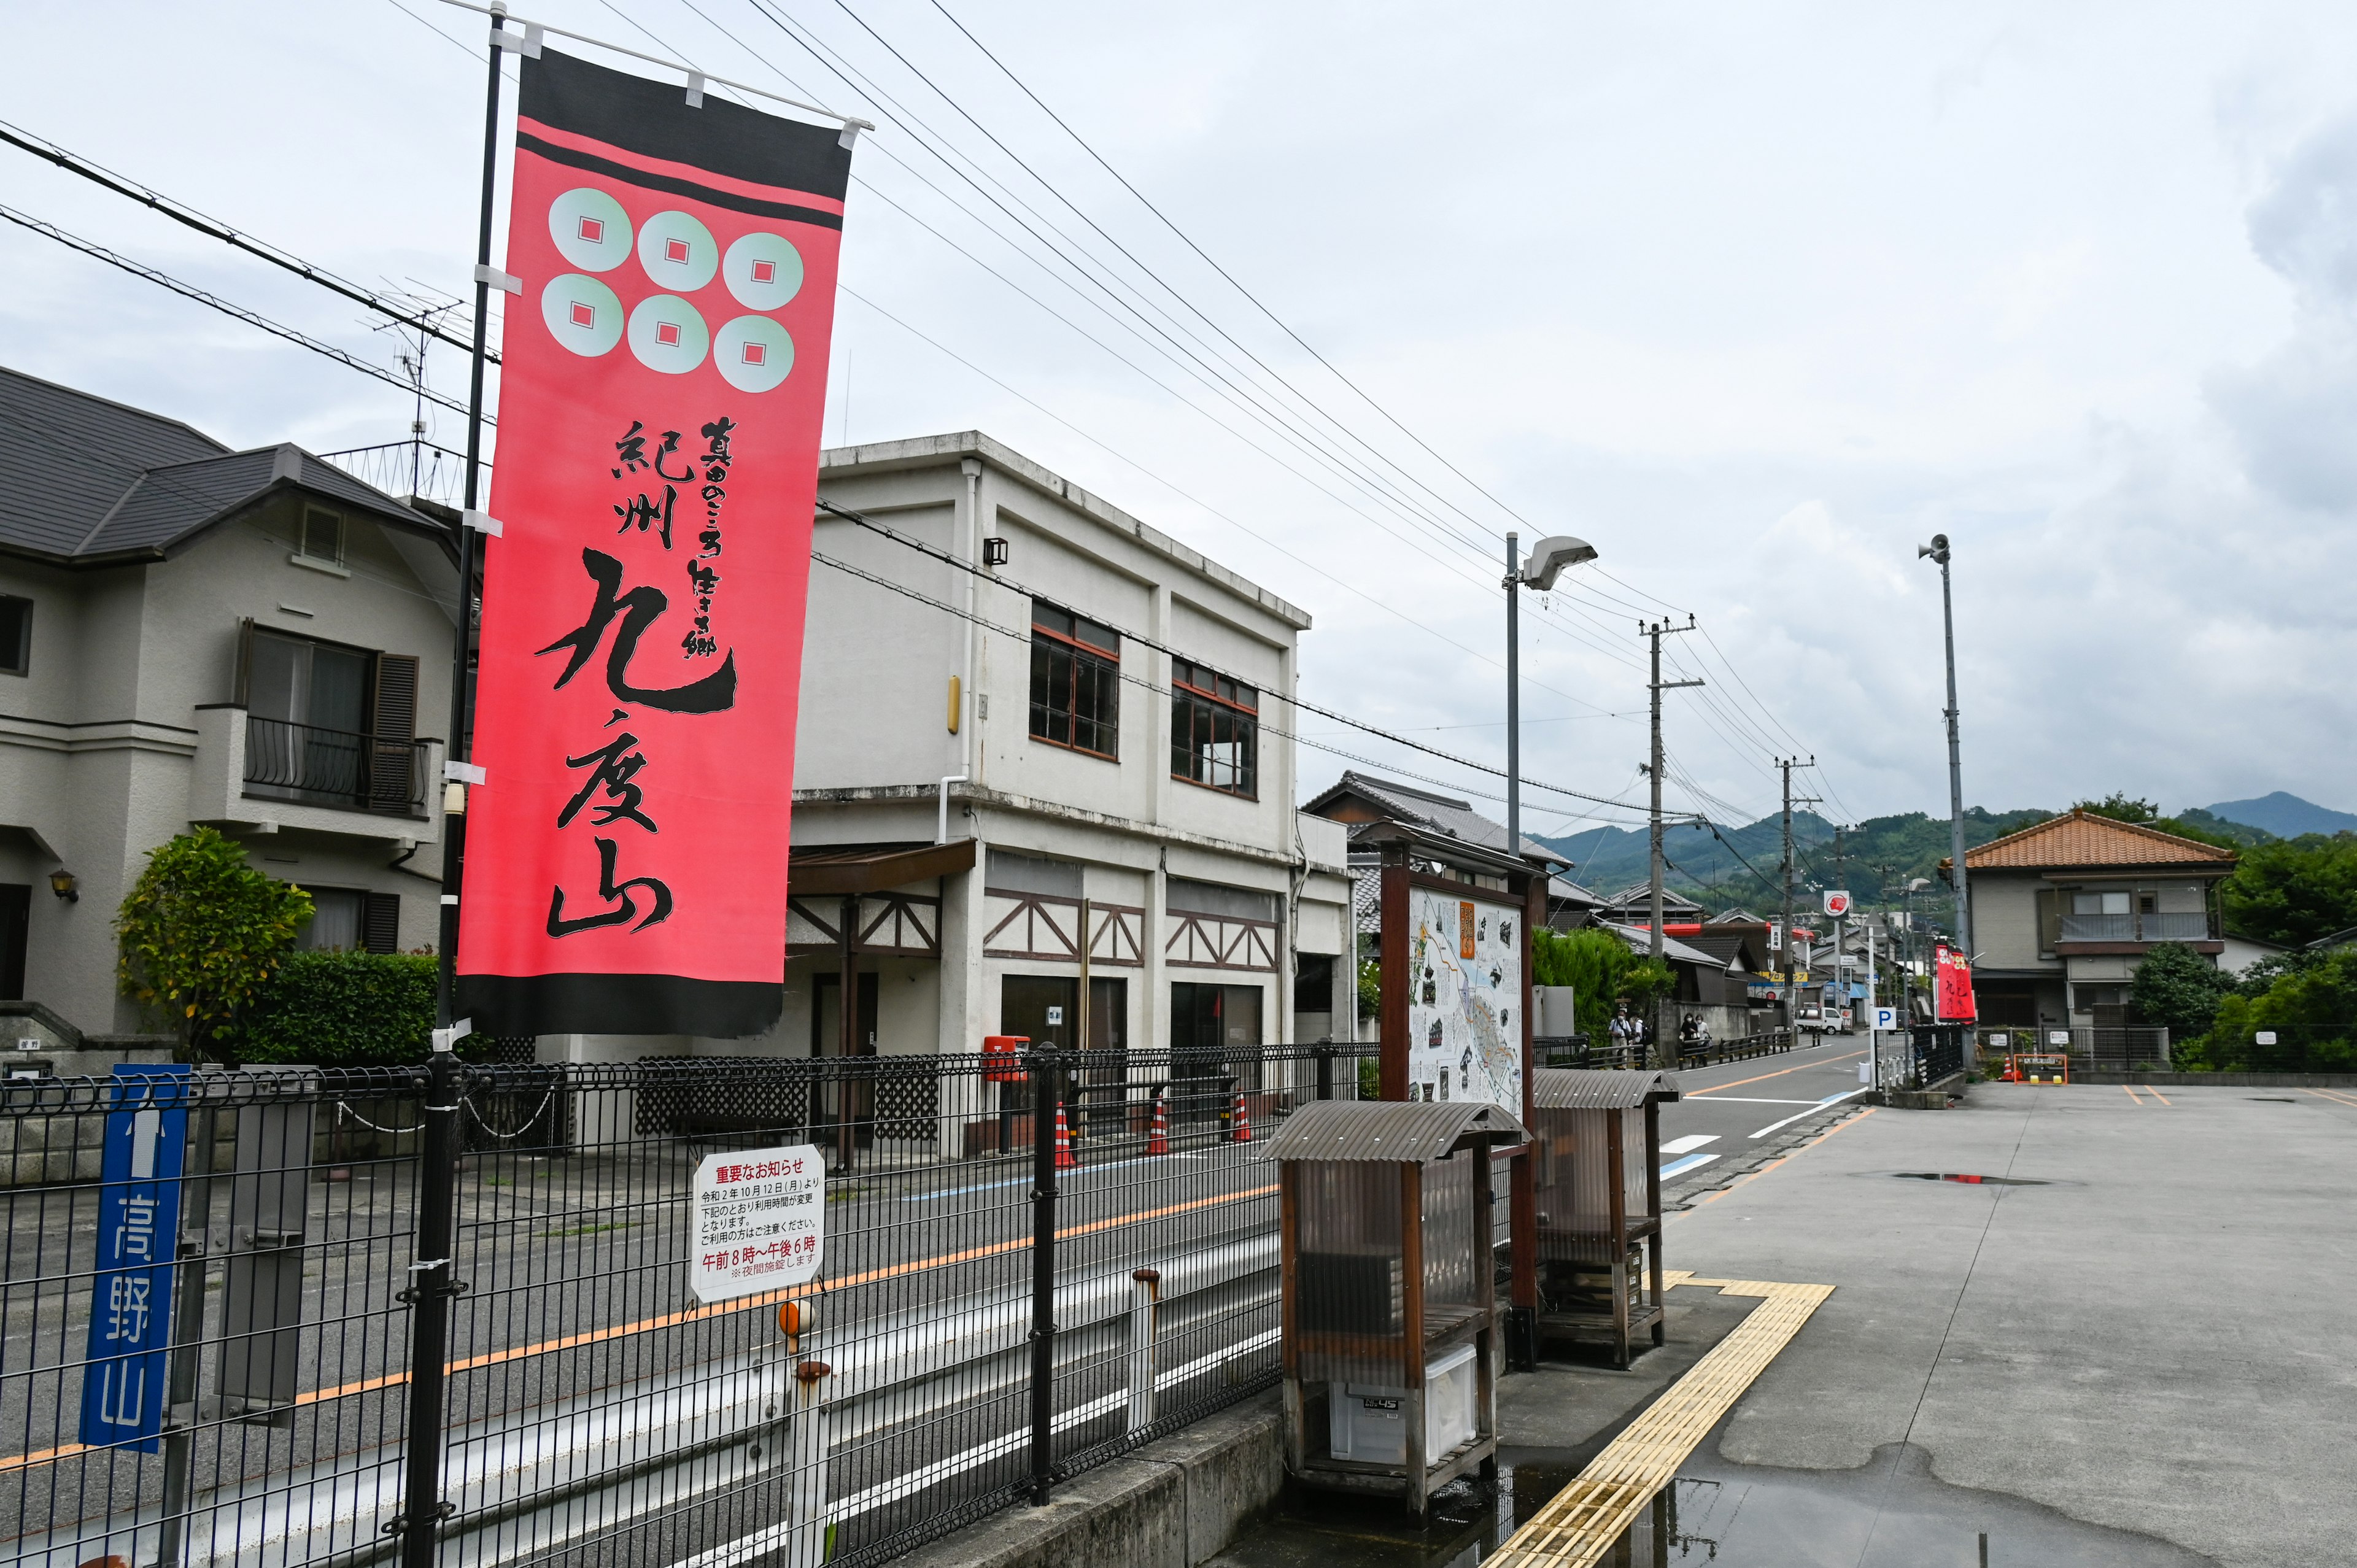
851	129
482	523
695	89
462	773
526	43
484	273
448	1039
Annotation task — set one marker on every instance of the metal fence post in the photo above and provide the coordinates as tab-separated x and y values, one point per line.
1044	1100
1145	1297
1325	1049
429	1295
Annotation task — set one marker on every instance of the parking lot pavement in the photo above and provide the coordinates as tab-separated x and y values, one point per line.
1731	1110
2138	1315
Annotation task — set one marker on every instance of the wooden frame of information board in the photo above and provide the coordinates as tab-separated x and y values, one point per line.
1412	858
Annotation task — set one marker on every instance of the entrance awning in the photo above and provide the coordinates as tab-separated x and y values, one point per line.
817	870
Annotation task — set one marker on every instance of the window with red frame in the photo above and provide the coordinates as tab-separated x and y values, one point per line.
1075	682
1214	730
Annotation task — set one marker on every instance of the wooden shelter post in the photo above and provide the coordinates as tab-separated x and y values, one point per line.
1398	984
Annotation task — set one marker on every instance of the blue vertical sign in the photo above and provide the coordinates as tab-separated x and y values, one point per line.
123	1381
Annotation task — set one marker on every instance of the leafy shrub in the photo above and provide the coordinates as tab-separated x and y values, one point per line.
1601	969
200	934
2179	989
2311	1006
345	1009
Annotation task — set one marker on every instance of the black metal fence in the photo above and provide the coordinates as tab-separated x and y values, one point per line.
1579	1051
465	1314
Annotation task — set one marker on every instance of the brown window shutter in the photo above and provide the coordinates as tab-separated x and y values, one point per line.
393	727
381	922
242	680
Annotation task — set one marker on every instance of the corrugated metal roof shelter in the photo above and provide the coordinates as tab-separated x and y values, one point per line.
1599	1176
1579	1089
1388	1295
1393	1132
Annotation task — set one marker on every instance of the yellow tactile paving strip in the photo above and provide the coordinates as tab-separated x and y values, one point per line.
1579	1524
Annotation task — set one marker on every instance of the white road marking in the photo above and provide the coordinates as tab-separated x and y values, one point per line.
1692	1162
1689	1143
1820	1105
1746	1099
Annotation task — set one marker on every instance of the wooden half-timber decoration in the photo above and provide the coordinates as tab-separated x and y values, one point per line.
1044	927
1221	941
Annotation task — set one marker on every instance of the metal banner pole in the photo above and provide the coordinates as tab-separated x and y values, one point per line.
431	1285
462	685
1044	1091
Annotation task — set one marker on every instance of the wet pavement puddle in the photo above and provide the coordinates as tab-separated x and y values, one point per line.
1890	1513
1971	1180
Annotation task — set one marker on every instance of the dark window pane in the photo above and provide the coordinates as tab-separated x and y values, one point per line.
15	634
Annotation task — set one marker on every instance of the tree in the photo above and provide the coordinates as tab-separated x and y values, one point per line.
1601	969
2310	1006
2122	808
2179	989
198	935
2294	890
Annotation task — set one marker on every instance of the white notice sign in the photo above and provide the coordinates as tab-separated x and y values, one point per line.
757	1221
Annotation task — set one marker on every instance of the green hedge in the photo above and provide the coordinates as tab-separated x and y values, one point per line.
343	1009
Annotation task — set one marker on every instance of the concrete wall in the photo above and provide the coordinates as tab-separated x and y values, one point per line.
2005	920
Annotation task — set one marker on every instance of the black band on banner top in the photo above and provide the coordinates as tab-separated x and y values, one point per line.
653	120
618	1005
671	184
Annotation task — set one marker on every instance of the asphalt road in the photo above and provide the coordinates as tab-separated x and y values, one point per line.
1729	1109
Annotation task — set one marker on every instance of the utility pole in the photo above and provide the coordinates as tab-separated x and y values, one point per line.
1784	971
1665	1054
1938	551
1841	928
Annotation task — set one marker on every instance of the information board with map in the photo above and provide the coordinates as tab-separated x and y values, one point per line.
1465	1025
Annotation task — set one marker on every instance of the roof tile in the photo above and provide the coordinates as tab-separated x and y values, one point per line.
2085	838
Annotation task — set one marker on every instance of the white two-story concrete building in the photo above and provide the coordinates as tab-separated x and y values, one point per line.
1046	792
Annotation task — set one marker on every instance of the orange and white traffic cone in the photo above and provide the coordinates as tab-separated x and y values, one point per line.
1065	1159
1157	1136
1244	1121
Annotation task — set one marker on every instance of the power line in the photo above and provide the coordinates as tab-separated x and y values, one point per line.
251	317
949	559
1195	500
179	212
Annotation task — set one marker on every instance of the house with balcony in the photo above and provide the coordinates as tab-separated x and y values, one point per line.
2063	913
249	639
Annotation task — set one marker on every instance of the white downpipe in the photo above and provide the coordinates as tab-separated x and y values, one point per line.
942	832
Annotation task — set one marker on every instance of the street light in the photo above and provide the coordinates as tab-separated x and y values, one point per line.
1546	563
1938	551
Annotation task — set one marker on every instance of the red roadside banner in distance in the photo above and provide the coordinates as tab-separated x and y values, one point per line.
1953	988
663	382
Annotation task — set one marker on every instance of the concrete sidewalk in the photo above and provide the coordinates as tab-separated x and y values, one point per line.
2159	1339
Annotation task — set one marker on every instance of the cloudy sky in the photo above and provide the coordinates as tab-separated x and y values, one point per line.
1756	298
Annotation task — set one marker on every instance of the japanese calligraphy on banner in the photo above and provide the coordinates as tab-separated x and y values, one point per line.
662	382
1466	962
1953	987
757	1221
123	1381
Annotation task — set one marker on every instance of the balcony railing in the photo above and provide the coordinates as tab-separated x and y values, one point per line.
333	766
2193	927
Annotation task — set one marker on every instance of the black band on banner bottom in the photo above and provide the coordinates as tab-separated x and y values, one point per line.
673	184
618	1005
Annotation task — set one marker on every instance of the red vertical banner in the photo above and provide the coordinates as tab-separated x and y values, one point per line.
1953	992
662	380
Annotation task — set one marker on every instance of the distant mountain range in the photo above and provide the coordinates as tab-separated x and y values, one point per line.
1724	867
2284	815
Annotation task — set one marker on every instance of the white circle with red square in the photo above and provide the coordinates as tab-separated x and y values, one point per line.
590	229
677	252
668	335
582	312
753	353
762	269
